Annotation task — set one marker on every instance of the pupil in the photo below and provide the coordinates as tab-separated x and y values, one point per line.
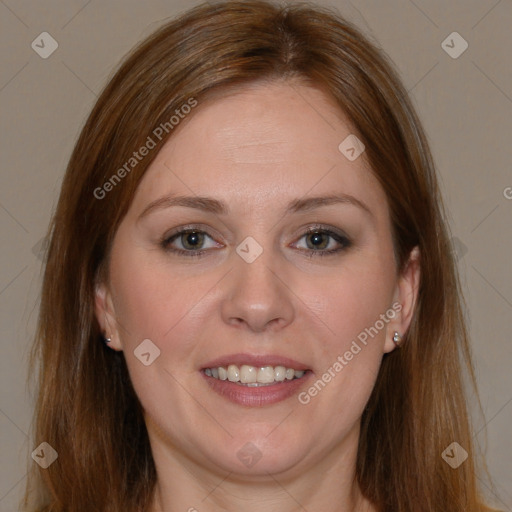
316	239
192	239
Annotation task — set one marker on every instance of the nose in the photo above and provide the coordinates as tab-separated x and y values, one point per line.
257	296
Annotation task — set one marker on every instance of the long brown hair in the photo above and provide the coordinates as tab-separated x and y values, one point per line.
87	409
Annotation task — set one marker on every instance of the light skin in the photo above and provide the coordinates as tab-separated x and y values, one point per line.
256	151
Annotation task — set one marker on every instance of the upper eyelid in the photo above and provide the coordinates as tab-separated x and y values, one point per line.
185	229
304	230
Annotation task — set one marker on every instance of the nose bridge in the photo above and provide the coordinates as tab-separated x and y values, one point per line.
257	295
254	266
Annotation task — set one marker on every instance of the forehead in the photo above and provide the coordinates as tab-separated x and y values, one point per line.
262	143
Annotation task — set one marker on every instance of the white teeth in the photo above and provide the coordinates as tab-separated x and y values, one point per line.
233	373
265	375
254	376
248	374
280	373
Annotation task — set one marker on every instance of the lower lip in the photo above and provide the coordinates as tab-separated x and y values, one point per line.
256	396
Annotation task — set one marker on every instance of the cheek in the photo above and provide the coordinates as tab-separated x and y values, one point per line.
351	305
353	298
358	302
158	302
150	303
154	303
141	305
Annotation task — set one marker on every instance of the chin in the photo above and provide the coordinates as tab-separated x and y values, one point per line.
258	457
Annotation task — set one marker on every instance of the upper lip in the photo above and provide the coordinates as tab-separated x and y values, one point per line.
255	360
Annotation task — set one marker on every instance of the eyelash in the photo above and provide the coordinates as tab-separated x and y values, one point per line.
341	239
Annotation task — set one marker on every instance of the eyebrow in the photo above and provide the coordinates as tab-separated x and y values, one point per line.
211	205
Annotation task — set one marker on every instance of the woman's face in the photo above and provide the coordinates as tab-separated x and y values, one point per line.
263	299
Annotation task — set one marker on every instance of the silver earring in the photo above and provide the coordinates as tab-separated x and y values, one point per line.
107	340
397	339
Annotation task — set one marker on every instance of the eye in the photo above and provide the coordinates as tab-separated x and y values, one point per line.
190	242
321	241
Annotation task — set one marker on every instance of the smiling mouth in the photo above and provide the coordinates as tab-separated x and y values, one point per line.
254	376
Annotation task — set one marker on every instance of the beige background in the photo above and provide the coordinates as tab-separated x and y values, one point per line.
465	104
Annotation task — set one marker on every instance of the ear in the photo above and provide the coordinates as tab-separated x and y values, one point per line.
105	314
405	298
